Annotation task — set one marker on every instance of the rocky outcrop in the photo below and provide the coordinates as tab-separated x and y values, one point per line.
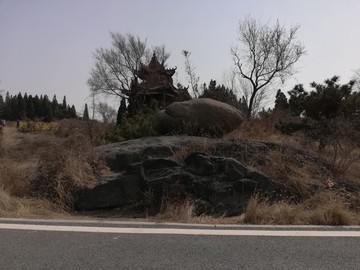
198	117
148	169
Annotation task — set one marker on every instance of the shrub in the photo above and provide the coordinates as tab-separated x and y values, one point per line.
64	168
289	128
135	127
223	94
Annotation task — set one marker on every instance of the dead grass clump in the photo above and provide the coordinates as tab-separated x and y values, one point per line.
93	130
40	171
175	205
13	176
64	168
202	146
177	211
324	208
333	207
259	211
258	129
13	206
296	173
27	147
342	154
332	214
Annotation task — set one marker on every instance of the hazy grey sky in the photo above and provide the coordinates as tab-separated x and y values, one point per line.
46	46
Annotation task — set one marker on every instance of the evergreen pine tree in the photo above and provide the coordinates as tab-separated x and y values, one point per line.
2	107
36	102
65	109
14	108
64	102
121	112
86	112
72	113
21	111
8	108
281	102
48	112
55	107
31	109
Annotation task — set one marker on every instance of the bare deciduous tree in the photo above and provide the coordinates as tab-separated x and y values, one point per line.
190	72
243	88
107	113
267	53
115	68
161	54
356	78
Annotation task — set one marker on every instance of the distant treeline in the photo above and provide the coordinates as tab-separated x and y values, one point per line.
34	107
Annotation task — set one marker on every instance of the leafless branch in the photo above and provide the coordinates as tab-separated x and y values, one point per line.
267	53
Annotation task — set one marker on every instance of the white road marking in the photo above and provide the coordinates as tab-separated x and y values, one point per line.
174	231
172	224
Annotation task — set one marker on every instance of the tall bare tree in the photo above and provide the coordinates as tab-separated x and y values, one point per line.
107	113
190	72
267	53
243	88
356	78
161	54
115	67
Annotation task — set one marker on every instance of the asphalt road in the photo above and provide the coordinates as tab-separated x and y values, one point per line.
28	244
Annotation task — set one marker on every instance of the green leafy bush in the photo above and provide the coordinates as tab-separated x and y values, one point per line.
135	127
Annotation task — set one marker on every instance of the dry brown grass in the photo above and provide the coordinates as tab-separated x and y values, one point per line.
260	129
93	130
186	212
177	212
25	207
325	208
66	166
1	141
14	175
17	163
202	146
300	169
40	171
295	173
342	155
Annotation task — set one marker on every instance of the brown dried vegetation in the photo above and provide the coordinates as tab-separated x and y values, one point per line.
40	170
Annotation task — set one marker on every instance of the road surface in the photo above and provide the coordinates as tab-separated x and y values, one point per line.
44	244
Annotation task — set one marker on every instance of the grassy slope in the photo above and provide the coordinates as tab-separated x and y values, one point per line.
18	161
23	154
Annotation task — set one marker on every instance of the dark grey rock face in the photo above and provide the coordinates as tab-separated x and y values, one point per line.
218	185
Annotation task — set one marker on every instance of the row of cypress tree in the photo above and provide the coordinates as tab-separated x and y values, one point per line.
34	107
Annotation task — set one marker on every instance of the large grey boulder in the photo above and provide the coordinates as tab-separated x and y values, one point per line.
219	186
198	117
120	155
147	169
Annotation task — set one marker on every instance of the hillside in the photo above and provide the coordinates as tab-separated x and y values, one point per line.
41	169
